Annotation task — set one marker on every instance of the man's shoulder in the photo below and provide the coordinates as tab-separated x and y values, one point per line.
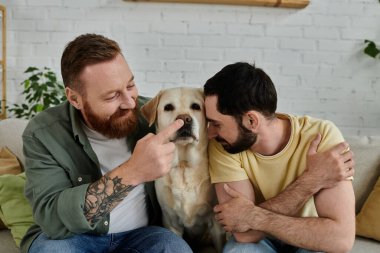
48	118
307	122
308	127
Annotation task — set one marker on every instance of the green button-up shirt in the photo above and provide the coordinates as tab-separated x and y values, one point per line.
60	165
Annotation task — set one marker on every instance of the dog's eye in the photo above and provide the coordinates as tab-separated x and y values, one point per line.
195	107
169	107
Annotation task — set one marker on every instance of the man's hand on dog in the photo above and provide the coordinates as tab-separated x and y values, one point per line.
153	155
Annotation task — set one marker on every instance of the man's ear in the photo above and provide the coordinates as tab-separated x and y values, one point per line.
149	110
74	98
253	120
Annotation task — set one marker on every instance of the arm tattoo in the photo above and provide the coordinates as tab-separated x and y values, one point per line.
102	196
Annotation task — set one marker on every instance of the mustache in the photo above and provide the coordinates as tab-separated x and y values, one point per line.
121	112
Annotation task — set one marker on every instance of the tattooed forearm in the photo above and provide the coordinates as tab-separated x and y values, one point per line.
103	195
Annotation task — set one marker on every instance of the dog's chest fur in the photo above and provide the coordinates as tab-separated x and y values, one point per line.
186	190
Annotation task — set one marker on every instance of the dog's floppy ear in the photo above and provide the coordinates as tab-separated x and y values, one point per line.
149	110
201	91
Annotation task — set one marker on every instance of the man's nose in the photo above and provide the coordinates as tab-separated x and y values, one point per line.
129	102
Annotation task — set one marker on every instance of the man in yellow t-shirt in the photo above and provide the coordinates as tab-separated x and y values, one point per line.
282	181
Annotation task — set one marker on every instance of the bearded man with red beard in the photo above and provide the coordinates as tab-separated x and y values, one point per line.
91	161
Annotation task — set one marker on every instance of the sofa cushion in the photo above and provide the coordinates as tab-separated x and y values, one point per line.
11	135
365	245
7	244
368	220
367	166
15	210
8	162
8	165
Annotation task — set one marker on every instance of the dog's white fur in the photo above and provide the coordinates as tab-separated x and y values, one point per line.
185	194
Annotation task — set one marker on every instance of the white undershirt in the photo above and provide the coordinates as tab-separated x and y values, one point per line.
131	212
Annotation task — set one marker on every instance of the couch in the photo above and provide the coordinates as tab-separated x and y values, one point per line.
367	157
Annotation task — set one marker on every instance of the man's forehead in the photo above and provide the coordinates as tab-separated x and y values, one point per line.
212	113
210	102
106	77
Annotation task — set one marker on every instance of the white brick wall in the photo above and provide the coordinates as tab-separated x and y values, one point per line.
314	55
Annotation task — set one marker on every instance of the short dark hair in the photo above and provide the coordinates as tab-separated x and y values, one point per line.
241	87
84	50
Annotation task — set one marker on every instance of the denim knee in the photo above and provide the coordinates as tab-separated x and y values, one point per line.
164	241
43	244
263	246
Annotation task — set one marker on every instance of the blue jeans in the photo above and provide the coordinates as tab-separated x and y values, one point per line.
266	245
141	240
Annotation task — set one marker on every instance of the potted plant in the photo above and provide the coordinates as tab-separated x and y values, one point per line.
41	90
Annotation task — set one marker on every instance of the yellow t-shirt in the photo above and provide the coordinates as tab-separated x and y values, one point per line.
270	175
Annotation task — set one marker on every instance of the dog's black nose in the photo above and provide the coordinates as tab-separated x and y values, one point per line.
186	118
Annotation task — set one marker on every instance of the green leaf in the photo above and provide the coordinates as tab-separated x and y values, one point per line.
34	78
39	107
30	69
371	48
26	84
51	76
50	84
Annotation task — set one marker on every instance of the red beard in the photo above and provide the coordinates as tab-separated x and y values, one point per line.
121	124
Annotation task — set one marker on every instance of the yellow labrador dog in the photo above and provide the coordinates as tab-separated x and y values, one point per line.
185	194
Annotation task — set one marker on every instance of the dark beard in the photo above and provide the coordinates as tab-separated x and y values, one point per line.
244	141
117	126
